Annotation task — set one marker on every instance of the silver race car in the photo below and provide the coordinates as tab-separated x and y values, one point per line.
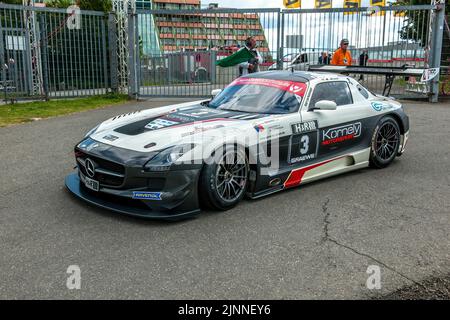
263	133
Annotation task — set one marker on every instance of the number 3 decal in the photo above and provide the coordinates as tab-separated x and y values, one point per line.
304	144
303	147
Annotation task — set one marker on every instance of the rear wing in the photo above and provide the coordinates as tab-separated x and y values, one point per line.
389	72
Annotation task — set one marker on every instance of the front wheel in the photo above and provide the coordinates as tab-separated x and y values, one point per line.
385	143
224	178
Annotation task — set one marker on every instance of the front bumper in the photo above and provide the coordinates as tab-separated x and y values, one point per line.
177	203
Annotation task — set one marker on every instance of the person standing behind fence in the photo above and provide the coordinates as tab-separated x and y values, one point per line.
252	65
324	58
342	56
363	58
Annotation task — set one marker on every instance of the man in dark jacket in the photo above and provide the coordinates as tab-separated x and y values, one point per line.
252	65
324	58
363	58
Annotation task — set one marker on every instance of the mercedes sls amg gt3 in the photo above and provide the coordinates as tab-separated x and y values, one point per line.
263	133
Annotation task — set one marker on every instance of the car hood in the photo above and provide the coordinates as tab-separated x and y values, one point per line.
156	129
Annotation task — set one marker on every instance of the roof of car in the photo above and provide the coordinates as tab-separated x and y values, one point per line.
299	76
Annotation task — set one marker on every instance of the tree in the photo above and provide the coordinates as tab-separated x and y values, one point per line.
416	26
96	5
12	1
58	3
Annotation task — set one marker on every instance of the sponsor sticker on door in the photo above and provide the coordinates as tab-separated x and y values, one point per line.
342	133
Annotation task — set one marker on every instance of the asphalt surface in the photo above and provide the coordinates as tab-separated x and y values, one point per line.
311	242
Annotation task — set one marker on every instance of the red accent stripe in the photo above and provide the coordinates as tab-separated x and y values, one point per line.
298	88
408	59
296	176
380	60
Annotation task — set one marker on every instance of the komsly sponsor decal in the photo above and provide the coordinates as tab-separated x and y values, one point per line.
342	133
303	127
143	195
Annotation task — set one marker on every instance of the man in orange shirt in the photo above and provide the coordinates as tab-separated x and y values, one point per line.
342	56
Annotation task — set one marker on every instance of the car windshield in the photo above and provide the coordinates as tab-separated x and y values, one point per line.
257	95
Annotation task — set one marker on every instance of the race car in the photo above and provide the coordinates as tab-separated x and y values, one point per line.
264	133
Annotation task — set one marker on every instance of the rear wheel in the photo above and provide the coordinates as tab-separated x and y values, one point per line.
224	178
385	143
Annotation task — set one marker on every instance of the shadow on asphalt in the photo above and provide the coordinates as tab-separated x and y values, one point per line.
167	223
121	217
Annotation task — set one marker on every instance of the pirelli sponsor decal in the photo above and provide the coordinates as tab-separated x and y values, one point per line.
341	134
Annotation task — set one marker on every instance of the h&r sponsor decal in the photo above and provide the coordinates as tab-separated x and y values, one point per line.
304	127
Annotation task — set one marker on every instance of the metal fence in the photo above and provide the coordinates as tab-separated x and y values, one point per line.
444	89
43	57
178	48
174	52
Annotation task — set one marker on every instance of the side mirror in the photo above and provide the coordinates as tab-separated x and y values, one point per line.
215	92
325	105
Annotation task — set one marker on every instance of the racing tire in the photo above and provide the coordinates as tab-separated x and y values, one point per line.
385	143
224	178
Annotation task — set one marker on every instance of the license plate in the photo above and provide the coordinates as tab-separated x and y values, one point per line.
91	184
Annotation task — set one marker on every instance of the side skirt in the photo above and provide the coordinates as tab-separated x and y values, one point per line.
320	170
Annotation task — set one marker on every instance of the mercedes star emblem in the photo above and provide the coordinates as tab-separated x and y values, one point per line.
90	168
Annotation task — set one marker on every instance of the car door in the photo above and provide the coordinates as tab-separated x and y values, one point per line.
276	139
330	133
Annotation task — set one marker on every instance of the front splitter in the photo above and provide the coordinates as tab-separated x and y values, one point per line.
72	182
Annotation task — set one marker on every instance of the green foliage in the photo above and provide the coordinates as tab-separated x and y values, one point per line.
96	5
25	112
416	26
12	1
58	3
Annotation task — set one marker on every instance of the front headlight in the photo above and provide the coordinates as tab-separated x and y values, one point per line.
163	160
92	131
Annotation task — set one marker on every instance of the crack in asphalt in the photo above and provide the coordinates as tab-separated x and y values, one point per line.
326	237
326	221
